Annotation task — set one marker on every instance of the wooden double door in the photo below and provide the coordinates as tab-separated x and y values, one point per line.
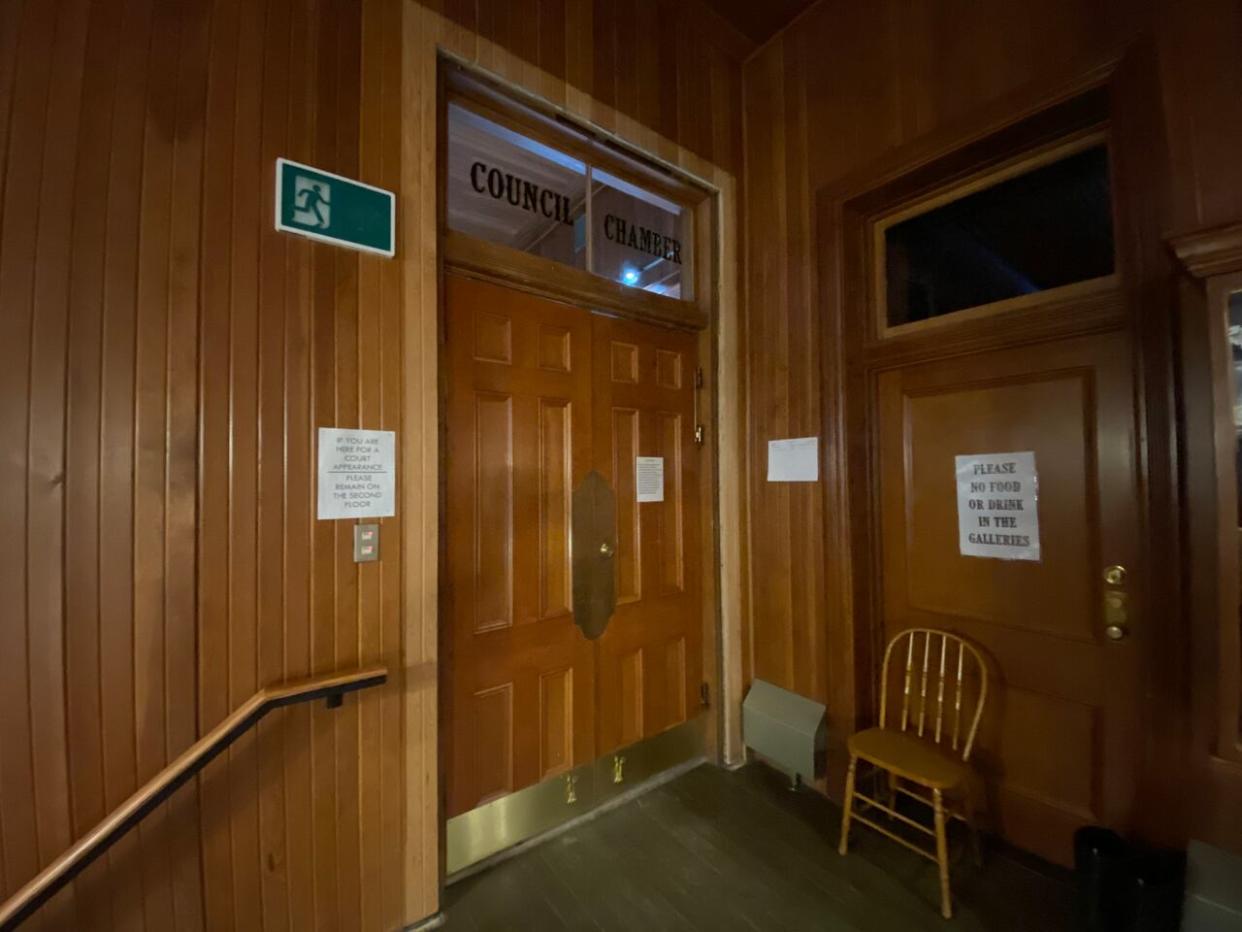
1064	629
539	395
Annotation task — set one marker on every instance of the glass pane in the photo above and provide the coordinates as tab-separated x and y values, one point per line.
1050	227
513	190
1235	353
640	239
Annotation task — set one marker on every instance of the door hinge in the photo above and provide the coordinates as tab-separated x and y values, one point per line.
705	695
698	377
699	434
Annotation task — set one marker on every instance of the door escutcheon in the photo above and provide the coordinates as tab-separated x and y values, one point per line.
593	547
1116	605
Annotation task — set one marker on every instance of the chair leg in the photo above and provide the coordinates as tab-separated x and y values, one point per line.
849	805
942	855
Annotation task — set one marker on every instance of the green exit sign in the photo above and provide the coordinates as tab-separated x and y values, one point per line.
332	209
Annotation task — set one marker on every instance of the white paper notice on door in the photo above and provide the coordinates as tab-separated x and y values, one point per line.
795	460
357	473
649	478
998	506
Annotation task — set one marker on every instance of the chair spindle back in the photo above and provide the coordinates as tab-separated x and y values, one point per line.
936	661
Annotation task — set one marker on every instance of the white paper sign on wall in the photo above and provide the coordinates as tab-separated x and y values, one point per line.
795	460
649	478
357	473
997	506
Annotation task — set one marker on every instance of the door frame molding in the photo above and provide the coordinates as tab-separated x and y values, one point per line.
1111	94
1210	263
428	37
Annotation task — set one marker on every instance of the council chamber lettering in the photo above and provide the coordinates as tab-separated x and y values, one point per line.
526	195
618	230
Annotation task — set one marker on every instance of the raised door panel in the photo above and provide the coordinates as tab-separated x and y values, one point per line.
493	513
1050	416
624	438
1058	738
518	442
556	722
667	539
491	758
555	493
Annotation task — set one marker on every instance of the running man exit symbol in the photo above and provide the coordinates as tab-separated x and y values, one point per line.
312	201
317	204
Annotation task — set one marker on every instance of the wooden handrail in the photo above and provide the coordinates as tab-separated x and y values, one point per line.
57	874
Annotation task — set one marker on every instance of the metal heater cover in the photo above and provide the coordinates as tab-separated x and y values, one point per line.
786	729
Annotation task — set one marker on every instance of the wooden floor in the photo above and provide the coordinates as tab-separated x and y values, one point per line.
720	850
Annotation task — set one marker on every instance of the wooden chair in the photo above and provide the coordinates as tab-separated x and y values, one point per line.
923	750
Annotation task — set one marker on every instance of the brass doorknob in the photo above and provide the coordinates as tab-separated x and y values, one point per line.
1114	632
605	549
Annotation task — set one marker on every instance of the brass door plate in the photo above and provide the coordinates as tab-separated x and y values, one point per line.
594	544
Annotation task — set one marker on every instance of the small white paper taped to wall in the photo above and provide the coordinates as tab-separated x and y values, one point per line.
998	505
357	473
649	478
795	460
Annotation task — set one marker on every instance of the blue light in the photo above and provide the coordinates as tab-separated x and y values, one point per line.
629	276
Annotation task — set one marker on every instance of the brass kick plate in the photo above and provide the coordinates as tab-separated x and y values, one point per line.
480	833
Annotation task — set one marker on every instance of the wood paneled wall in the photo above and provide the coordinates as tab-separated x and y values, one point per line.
844	86
165	358
1201	79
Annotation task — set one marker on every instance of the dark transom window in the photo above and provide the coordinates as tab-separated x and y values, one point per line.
1044	229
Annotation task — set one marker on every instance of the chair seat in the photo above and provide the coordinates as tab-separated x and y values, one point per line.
910	757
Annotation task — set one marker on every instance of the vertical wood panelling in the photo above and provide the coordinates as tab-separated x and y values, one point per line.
82	456
272	378
151	376
382	152
159	360
844	84
165	360
181	507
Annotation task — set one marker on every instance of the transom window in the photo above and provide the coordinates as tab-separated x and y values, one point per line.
514	190
1022	233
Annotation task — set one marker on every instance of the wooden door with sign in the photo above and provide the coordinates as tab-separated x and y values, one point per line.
1060	741
521	704
539	393
650	657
